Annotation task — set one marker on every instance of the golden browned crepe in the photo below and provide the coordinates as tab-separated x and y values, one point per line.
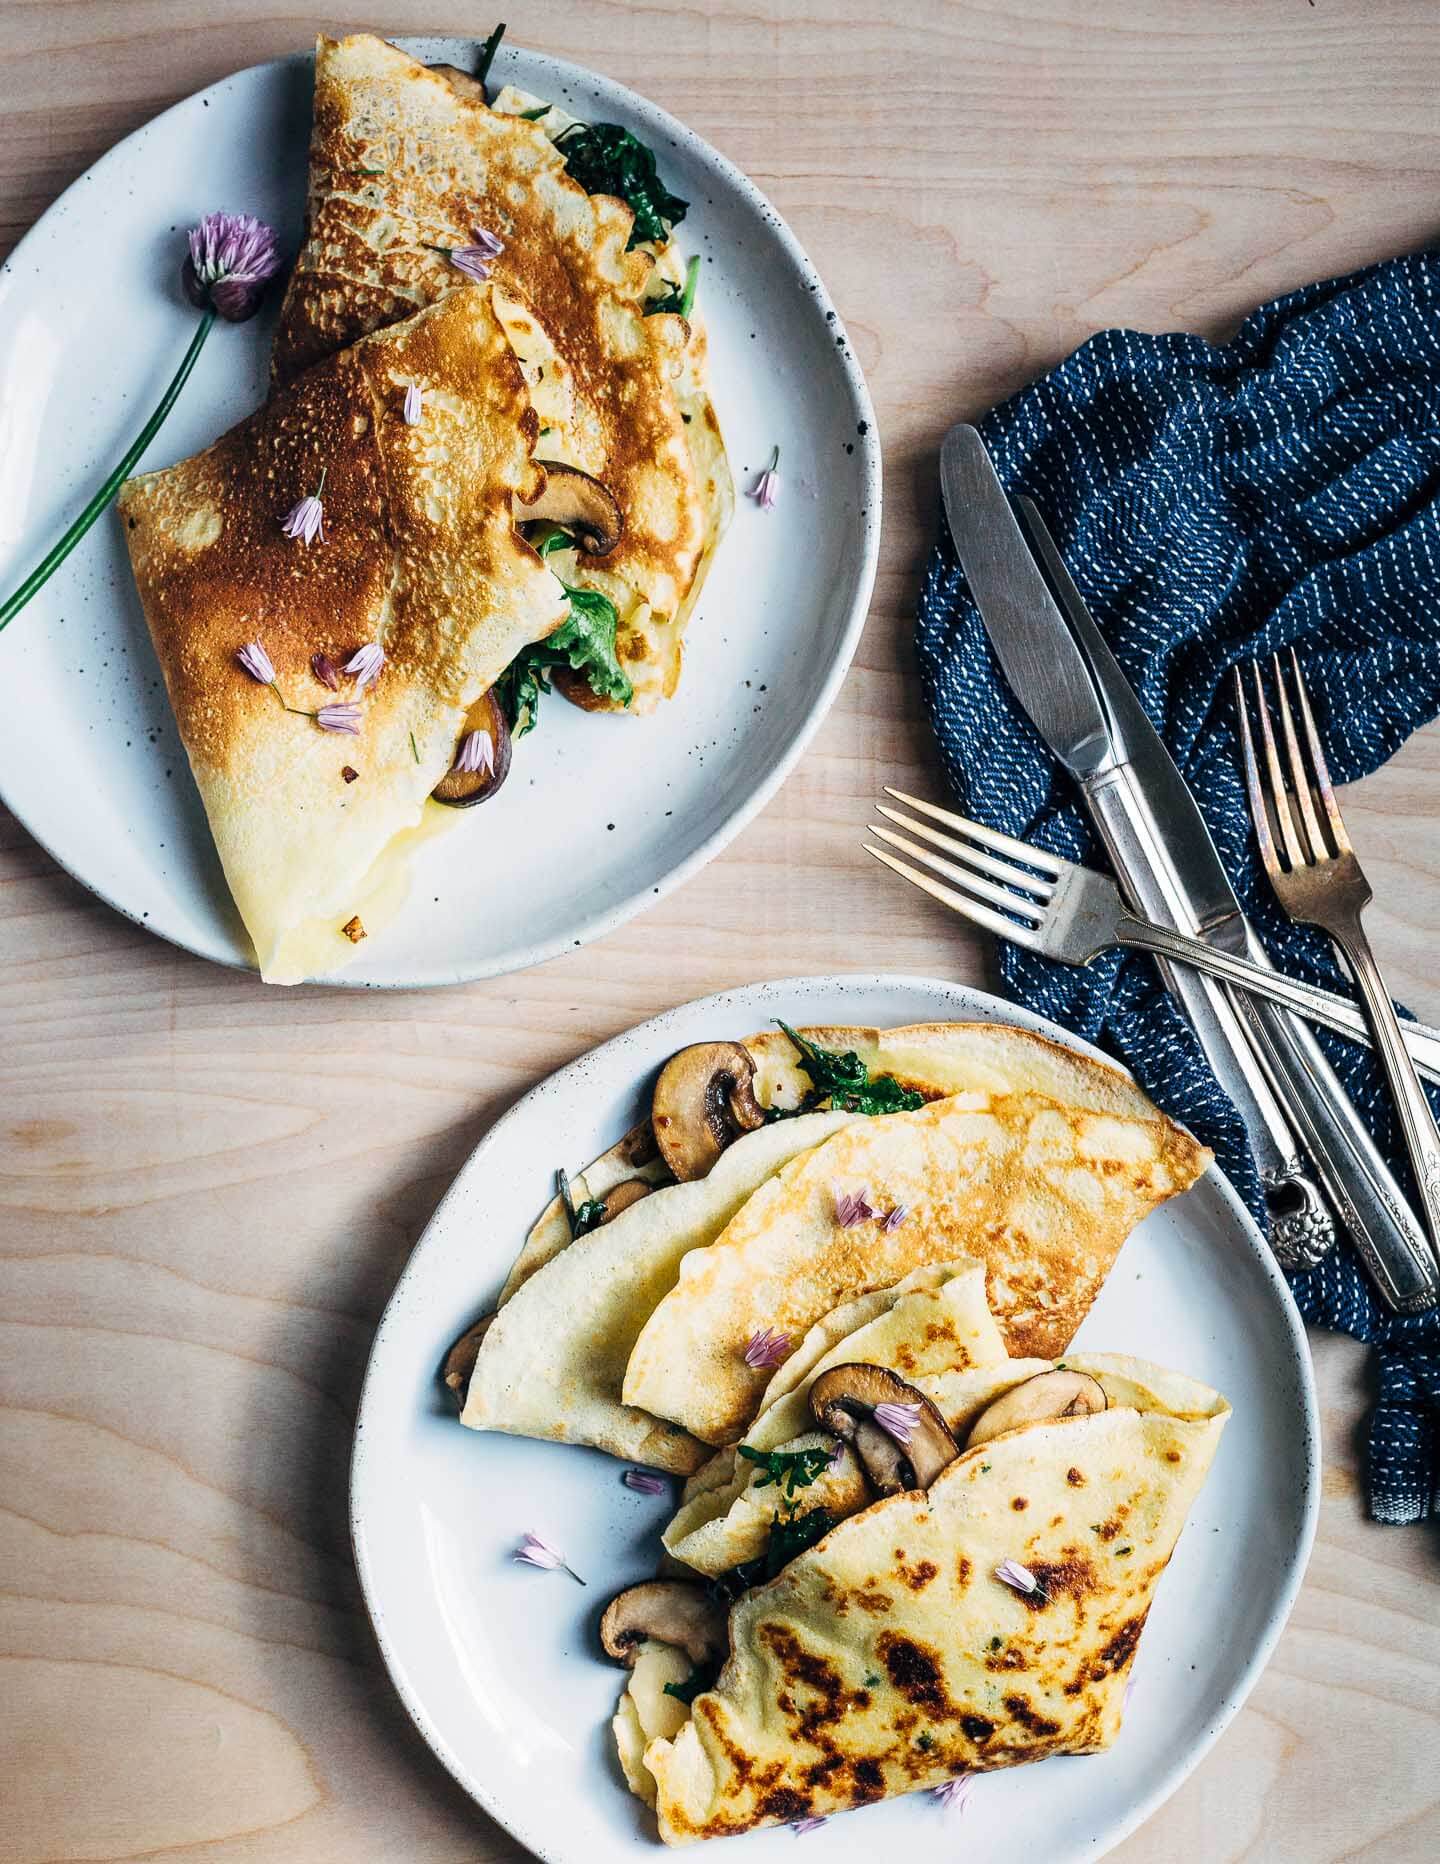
405	166
420	555
893	1655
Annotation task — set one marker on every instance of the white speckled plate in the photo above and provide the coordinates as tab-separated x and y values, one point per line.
499	1664
600	815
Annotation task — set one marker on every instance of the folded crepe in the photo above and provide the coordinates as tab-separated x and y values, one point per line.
931	1059
552	1361
890	1656
420	556
935	1321
1043	1192
407	165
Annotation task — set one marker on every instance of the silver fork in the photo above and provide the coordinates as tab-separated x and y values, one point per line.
1319	882
1044	903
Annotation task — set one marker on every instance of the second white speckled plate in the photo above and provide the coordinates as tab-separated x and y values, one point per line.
499	1664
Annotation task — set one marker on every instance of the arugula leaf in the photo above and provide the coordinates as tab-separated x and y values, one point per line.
584	641
845	1082
701	1678
679	298
790	1469
789	1535
487	53
606	159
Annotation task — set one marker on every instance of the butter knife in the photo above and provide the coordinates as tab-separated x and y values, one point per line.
1265	1061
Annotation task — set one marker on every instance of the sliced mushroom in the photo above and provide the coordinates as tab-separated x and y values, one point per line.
582	504
1061	1393
462	789
459	1362
621	1196
670	1610
704	1098
844	1400
461	82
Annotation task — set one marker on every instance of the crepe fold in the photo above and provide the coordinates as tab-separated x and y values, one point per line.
420	556
890	1656
408	165
1043	1192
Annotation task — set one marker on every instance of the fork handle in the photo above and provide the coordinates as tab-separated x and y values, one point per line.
1308	1000
1422	1140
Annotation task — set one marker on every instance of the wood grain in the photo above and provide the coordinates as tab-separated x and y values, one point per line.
207	1189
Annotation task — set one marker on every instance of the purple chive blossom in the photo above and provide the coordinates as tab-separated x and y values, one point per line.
345	717
533	1551
899	1421
894	1218
766	488
852	1207
325	670
306	521
414	405
474	261
837	1455
476	754
364	664
801	1826
766	1348
1011	1573
954	1793
1129	1691
257	663
643	1482
232	259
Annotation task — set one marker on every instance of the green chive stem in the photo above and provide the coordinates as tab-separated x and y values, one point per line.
692	279
105	497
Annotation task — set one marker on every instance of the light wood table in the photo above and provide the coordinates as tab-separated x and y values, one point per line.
207	1188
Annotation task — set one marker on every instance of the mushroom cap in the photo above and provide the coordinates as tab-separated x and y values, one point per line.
459	1362
462	789
621	1196
579	502
672	1611
844	1400
1060	1393
704	1098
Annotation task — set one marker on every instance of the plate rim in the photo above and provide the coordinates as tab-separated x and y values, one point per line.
520	957
998	1009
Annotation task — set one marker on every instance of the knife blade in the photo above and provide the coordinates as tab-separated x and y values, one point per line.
1089	715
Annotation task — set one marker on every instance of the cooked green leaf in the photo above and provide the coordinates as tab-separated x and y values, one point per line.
679	298
584	641
845	1082
791	1534
791	1469
588	1216
487	53
606	159
701	1678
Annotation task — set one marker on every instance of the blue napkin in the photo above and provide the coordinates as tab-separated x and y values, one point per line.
1214	503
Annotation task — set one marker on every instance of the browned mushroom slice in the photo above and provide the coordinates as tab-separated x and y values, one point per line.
621	1196
462	788
461	82
1060	1393
672	1611
846	1399
581	504
459	1362
704	1098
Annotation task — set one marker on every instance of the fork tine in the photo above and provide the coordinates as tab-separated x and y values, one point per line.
1029	910
1317	758
1319	847
1259	814
1279	803
972	857
958	902
1050	864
